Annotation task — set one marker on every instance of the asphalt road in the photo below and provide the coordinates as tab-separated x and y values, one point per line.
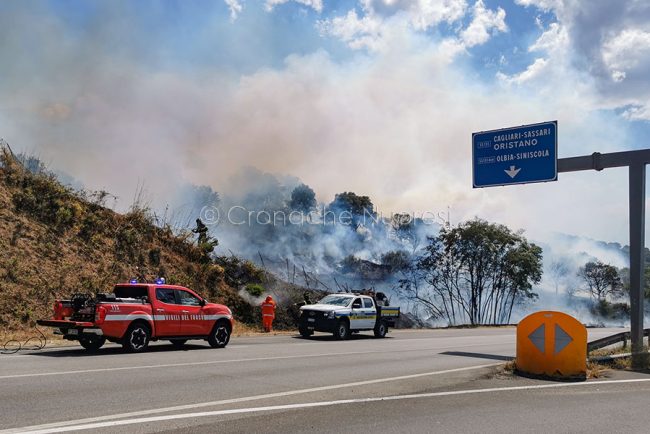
429	381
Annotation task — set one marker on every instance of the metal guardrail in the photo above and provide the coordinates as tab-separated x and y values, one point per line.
611	340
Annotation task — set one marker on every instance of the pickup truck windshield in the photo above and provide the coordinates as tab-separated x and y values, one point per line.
336	300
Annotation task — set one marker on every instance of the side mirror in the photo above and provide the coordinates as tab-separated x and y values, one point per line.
202	302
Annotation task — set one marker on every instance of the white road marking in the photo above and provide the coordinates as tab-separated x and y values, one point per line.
87	426
56	425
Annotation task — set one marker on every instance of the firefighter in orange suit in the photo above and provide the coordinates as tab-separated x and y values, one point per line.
268	313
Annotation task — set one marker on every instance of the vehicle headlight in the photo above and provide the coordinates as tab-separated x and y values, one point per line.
331	315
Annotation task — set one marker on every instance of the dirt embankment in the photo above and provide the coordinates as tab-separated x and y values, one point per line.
55	242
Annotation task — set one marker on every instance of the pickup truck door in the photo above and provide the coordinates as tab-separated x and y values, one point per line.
167	314
357	316
370	312
193	317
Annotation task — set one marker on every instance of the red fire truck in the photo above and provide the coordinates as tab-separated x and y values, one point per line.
136	313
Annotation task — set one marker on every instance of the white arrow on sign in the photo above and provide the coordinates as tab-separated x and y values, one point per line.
512	172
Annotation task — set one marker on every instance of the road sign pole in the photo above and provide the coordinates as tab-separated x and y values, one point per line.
636	162
637	262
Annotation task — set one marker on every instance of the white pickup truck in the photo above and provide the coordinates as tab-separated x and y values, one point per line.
344	313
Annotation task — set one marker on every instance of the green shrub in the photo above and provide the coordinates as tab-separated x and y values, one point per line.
127	243
64	217
213	275
255	289
154	257
90	225
239	272
41	196
612	311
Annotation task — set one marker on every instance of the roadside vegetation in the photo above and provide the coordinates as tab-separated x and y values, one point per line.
475	273
56	241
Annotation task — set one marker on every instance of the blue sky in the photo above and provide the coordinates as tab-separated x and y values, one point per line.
374	96
200	34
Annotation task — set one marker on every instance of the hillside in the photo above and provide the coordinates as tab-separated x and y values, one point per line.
55	242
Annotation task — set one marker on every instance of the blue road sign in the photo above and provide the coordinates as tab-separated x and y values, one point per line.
517	155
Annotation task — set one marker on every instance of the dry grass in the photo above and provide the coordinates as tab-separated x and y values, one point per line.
623	362
610	351
30	339
505	371
243	329
510	367
596	370
95	249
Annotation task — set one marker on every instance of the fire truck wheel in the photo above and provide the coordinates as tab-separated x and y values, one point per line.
220	335
92	343
381	330
178	343
137	338
342	331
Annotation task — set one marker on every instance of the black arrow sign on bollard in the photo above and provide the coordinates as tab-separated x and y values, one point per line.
562	339
538	338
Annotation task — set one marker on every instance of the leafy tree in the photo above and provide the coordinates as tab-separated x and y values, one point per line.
303	199
354	204
602	280
558	272
404	227
624	273
396	260
358	208
474	273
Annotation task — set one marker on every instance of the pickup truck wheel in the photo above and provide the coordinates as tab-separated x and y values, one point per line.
342	331
136	338
381	330
92	343
178	343
305	333
220	335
